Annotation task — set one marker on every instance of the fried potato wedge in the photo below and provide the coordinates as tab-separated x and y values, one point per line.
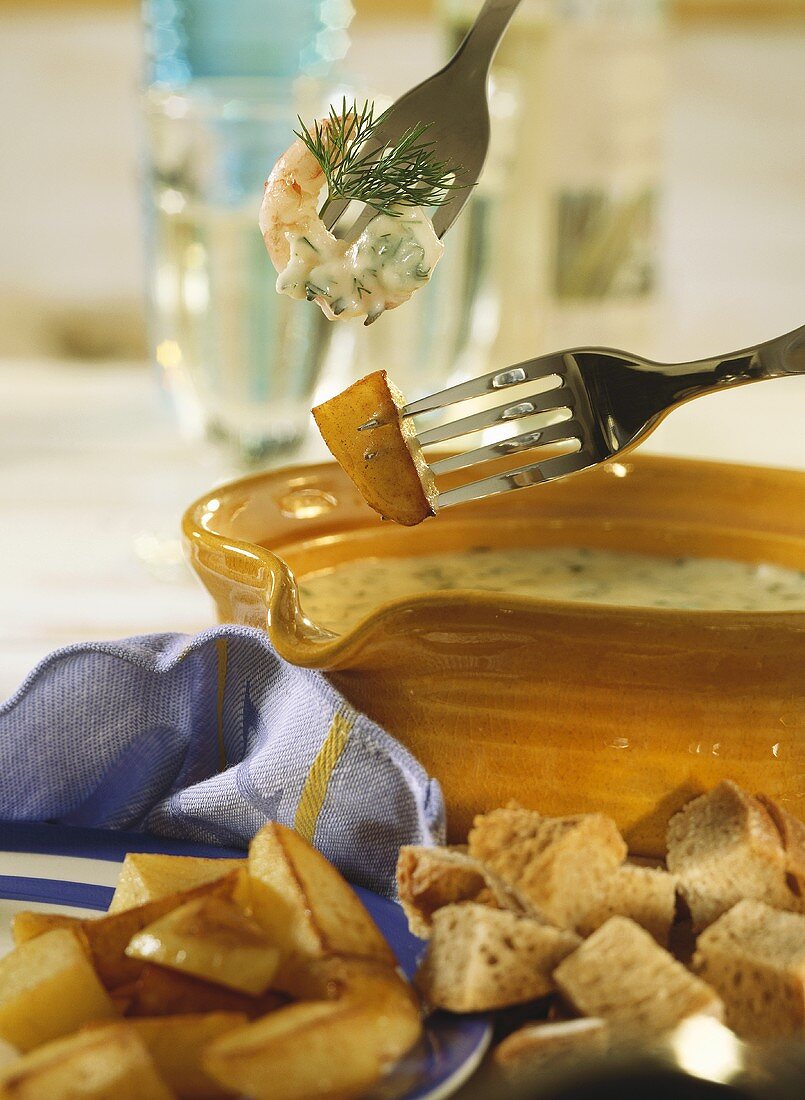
48	988
378	450
302	902
95	1064
369	983
147	876
176	1045
210	938
318	1048
28	924
8	1053
109	936
158	991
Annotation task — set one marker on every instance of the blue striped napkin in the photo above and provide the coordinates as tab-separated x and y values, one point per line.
205	738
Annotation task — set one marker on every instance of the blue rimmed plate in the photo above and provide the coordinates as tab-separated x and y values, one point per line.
74	871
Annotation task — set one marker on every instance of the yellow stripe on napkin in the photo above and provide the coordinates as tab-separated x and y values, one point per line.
314	791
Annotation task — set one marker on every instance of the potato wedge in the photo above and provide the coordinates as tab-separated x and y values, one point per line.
176	1045
96	1064
319	1048
28	924
161	992
48	988
393	1004
210	938
302	902
147	876
109	936
383	460
8	1053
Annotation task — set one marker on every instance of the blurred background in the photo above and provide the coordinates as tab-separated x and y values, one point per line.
645	189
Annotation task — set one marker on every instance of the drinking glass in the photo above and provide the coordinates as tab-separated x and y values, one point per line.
239	361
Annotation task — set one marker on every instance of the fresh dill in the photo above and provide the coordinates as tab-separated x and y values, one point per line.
405	173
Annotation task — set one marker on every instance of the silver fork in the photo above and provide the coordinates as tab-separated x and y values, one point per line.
453	103
611	401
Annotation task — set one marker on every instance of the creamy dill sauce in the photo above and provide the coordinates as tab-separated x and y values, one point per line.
340	597
393	257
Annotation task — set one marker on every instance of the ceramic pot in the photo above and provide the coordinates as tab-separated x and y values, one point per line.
567	707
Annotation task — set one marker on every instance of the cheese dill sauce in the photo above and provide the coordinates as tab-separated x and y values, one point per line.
392	258
340	597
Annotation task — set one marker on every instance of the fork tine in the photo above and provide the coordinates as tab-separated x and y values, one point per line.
521	478
549	401
333	212
554	433
529	371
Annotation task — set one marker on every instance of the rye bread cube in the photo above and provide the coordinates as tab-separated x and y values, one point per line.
623	976
480	958
560	869
723	847
754	957
645	894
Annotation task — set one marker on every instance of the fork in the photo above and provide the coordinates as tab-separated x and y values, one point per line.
610	401
453	104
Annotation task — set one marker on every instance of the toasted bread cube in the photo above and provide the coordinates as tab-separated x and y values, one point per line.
723	847
497	830
366	434
646	894
177	1044
210	938
792	834
430	878
100	1063
480	958
561	868
302	902
315	1048
754	957
623	976
542	1046
147	876
48	988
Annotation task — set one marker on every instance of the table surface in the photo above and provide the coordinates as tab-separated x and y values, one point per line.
95	477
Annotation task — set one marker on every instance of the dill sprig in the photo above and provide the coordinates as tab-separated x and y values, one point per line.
405	173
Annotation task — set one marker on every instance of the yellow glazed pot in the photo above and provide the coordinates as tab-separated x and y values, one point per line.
565	707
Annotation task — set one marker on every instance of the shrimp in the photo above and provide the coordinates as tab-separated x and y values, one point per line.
393	256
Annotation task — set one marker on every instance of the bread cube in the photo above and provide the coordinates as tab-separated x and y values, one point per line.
623	976
723	847
561	868
48	988
545	1046
480	958
645	894
754	957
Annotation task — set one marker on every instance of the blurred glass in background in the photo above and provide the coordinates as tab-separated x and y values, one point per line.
227	82
575	255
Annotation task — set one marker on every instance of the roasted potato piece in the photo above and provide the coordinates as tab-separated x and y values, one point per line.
397	1019
146	876
27	924
302	902
384	459
48	988
99	1063
8	1053
161	992
213	939
318	1048
108	937
176	1044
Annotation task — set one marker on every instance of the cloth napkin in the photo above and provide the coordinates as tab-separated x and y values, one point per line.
206	738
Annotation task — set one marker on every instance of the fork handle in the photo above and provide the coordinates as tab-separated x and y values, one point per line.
778	358
476	52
